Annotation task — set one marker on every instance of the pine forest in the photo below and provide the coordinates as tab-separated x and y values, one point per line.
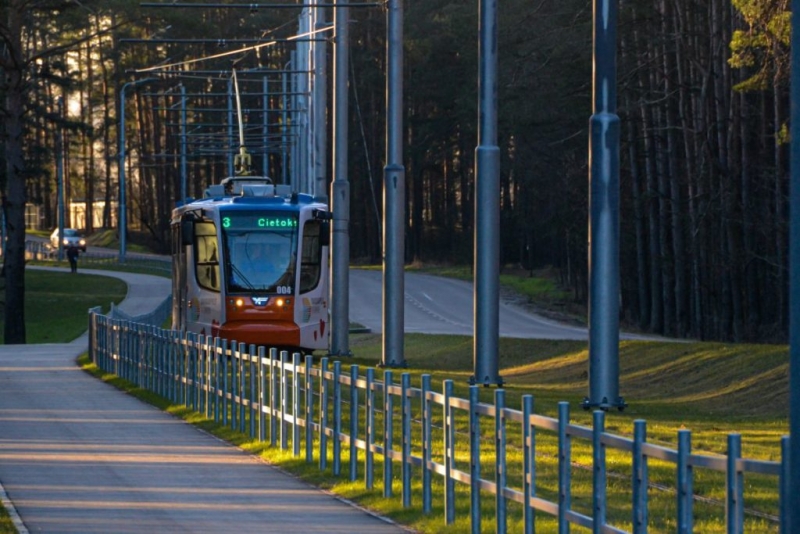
703	98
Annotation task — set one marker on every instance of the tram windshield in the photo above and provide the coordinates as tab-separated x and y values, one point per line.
261	251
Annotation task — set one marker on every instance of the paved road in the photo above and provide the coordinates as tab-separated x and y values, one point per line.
78	456
437	305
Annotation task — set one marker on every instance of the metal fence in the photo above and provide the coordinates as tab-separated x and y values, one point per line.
42	251
451	453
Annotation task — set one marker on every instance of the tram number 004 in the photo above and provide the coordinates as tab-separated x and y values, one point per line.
284	290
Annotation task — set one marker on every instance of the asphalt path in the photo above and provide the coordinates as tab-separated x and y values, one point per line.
79	456
437	305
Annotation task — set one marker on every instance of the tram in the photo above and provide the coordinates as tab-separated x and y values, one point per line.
250	265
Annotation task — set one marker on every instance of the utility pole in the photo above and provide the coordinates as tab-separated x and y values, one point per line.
394	193
284	123
183	143
604	216
340	194
794	280
486	300
60	178
231	150
264	124
319	107
123	222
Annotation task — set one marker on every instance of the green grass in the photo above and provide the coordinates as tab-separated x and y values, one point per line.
6	524
108	238
710	388
56	304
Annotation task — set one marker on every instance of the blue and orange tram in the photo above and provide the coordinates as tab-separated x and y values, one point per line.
250	264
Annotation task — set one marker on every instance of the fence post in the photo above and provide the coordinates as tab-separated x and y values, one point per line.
274	397
474	461
640	478
784	483
387	434
337	418
427	444
405	425
529	464
234	367
200	358
449	456
284	402
500	459
242	386
199	368
564	468
158	371
323	414
369	455
225	359
309	417
685	483
262	395
255	390
93	332
191	361
209	362
734	504
163	365
172	365
295	404
353	422
122	353
185	364
599	479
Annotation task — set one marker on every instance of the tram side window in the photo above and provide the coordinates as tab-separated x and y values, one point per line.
206	255
311	261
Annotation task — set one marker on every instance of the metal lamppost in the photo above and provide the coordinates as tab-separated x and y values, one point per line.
486	303
123	222
340	188
394	194
604	216
60	180
183	143
319	107
794	279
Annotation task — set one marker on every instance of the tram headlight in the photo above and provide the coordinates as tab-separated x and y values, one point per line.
280	302
239	302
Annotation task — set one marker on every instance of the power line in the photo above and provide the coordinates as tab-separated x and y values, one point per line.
231	52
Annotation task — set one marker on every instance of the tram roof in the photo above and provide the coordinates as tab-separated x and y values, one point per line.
248	193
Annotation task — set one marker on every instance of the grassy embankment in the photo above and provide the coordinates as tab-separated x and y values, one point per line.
56	303
713	389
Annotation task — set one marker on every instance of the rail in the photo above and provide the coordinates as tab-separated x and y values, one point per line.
451	451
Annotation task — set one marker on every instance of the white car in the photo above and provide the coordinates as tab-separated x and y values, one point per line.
71	237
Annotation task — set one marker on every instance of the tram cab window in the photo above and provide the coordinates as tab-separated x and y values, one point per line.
310	267
206	255
261	251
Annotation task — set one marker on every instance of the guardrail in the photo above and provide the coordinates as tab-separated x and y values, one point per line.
272	397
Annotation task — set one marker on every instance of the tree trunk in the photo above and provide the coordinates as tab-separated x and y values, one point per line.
14	197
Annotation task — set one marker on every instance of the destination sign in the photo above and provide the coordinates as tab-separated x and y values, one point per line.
259	221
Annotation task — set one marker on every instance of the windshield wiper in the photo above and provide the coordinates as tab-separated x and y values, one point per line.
240	276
